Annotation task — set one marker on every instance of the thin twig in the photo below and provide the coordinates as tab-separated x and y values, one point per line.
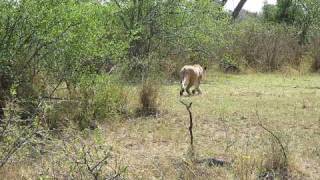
277	139
272	134
188	107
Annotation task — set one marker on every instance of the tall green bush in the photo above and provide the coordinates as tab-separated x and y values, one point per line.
102	97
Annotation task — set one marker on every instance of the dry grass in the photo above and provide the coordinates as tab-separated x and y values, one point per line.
149	98
225	127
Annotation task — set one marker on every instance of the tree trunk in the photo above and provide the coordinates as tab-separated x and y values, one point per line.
238	8
224	2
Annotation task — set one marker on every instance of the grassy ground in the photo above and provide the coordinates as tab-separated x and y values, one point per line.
227	117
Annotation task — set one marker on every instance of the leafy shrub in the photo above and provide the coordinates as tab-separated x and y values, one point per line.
149	98
101	97
315	53
59	115
142	68
98	98
229	65
19	142
266	47
171	68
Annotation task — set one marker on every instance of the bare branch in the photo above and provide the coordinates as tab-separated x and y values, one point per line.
277	139
188	107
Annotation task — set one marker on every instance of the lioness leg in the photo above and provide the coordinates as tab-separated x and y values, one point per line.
184	85
181	92
197	88
188	89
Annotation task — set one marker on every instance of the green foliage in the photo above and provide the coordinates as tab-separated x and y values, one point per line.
270	12
288	11
229	64
303	14
193	30
65	39
60	115
49	45
60	39
265	47
140	69
98	98
17	142
101	97
198	31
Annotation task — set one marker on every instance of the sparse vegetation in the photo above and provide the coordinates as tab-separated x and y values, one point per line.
149	98
82	158
89	90
315	54
276	163
265	47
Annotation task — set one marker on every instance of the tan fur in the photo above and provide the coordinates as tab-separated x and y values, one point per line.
191	75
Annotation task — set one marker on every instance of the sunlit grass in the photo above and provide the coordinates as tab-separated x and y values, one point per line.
226	125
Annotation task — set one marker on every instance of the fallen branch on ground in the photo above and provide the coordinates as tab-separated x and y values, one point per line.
214	162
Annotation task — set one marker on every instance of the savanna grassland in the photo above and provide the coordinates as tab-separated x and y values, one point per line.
226	118
89	89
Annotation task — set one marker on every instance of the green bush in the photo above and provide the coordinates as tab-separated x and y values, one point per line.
97	98
140	69
265	47
19	142
102	97
229	65
58	115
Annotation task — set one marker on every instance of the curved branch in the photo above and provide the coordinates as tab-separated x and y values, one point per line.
277	139
188	107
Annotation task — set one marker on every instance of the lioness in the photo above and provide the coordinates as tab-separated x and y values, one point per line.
191	75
